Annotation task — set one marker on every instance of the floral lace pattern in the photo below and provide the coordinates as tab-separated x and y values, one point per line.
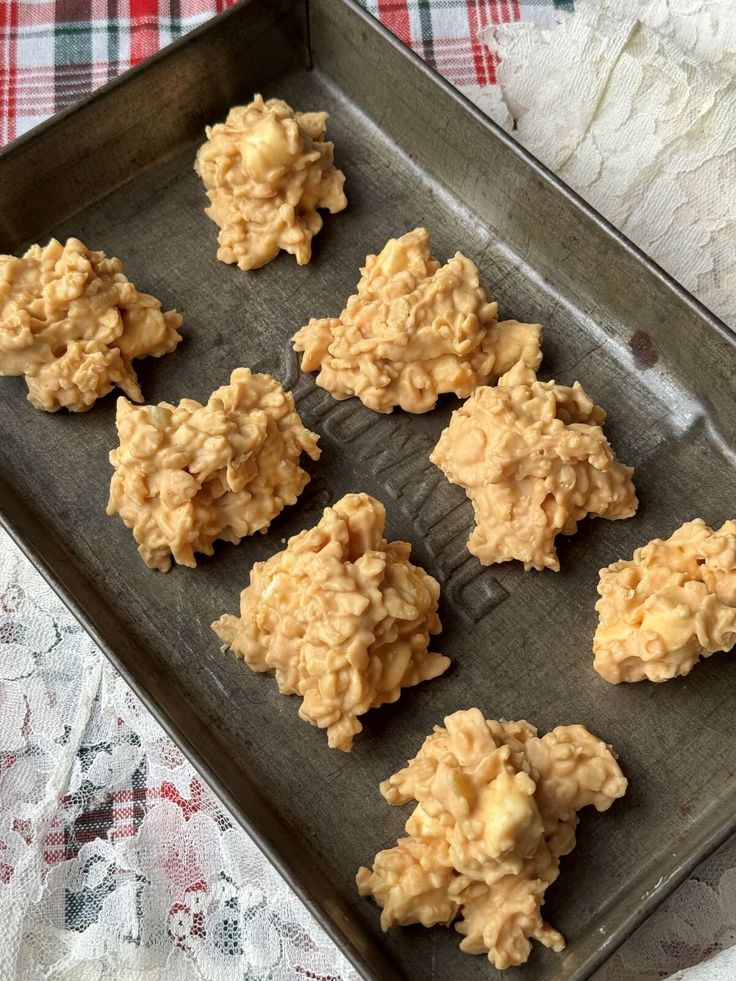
633	105
696	924
113	853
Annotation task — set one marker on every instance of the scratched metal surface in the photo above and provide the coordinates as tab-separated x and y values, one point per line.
520	643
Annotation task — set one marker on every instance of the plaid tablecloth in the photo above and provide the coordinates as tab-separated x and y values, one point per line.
54	53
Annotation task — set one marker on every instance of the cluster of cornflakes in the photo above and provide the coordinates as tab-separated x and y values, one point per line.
341	616
533	459
267	170
188	475
670	605
496	809
415	330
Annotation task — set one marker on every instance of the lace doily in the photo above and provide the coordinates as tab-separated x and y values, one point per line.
697	921
115	860
634	106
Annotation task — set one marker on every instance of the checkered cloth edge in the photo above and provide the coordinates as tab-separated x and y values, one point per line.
445	33
54	53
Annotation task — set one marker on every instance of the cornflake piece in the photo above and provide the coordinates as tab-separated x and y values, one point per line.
414	330
267	169
188	475
670	605
341	616
72	323
533	459
496	810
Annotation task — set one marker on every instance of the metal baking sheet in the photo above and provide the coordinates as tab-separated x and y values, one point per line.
117	172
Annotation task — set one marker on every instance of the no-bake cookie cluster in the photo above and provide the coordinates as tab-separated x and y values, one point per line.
533	459
72	323
496	809
188	475
415	330
268	170
341	616
670	605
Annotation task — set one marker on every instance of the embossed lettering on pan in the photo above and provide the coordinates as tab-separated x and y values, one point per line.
398	458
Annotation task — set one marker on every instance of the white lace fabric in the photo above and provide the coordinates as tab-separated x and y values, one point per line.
116	862
634	106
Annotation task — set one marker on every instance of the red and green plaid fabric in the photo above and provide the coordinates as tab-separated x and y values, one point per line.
55	53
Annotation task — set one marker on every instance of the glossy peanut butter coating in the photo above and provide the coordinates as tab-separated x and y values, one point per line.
671	604
496	809
188	475
533	459
341	617
268	170
72	323
414	330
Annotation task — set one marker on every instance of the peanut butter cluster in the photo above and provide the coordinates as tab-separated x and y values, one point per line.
341	616
496	810
72	323
414	330
670	605
188	475
267	170
533	459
